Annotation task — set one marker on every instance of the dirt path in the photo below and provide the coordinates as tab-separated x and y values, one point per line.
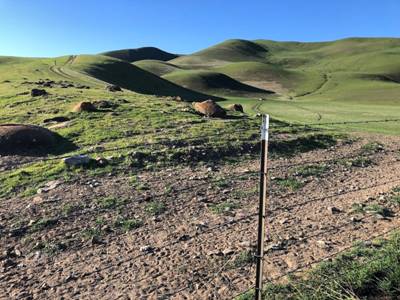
318	89
69	74
189	251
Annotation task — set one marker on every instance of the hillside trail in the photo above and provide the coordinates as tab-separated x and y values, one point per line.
67	73
190	251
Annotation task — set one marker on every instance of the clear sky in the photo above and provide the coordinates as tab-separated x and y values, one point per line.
60	27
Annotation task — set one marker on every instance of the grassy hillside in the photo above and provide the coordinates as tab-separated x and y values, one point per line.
346	80
130	77
228	51
131	55
212	83
300	68
157	67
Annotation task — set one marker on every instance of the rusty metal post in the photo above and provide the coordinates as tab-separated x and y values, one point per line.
261	209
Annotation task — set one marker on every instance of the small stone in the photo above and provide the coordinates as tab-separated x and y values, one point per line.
77	160
69	278
8	263
101	161
322	244
184	237
355	219
95	240
147	249
227	252
215	253
37	200
276	247
51	185
246	244
334	210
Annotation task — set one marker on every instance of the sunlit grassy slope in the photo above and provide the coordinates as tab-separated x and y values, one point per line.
346	80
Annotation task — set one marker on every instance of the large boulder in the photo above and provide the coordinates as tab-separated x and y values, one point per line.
16	138
84	107
209	108
236	107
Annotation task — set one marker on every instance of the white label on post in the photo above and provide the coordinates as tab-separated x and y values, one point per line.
265	127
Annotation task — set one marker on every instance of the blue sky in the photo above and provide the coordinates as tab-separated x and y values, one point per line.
60	27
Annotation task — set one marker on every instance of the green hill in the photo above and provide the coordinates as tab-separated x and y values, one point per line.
228	51
156	66
130	77
355	78
132	55
212	83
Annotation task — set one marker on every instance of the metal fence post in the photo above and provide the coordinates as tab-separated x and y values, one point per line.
261	209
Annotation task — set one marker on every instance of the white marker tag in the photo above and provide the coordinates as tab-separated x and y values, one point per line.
265	127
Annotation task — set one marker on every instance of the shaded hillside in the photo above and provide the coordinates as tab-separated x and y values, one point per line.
131	77
212	82
156	66
131	55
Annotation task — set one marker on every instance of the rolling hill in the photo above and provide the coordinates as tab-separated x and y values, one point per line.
213	83
131	55
311	81
130	77
157	67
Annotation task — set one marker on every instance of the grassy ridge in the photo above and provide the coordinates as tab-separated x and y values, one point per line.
131	55
131	77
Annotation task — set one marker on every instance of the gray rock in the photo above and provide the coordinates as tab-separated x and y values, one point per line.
147	249
77	160
51	185
334	210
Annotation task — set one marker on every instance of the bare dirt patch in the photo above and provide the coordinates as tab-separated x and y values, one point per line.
83	239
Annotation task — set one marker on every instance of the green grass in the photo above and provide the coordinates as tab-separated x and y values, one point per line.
291	184
373	208
155	208
223	208
312	170
42	224
365	272
128	224
110	202
348	80
157	67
